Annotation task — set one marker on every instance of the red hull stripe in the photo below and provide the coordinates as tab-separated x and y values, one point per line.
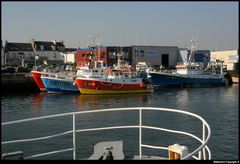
98	85
37	78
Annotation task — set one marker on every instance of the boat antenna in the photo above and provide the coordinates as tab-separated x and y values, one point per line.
193	49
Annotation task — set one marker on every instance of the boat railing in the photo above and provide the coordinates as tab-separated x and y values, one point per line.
201	152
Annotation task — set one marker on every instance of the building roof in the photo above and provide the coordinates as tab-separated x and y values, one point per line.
60	44
49	46
39	45
18	47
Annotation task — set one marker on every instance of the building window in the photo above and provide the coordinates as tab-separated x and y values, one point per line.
53	48
142	53
102	55
14	55
233	58
111	55
29	55
126	54
136	52
54	55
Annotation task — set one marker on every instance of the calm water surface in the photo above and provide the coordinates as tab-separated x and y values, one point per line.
217	105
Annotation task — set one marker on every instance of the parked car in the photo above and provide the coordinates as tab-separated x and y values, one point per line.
8	69
22	70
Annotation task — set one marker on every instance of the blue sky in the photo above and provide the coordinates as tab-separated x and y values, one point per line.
213	24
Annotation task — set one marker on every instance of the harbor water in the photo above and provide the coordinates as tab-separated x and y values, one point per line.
219	106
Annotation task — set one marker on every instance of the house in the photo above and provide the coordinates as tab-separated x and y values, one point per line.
33	53
48	51
18	53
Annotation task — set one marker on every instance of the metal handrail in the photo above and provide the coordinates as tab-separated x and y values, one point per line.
200	150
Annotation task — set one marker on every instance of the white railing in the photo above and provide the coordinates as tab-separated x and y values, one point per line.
202	152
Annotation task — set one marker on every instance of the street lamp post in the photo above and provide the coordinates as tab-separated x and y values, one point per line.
35	61
32	41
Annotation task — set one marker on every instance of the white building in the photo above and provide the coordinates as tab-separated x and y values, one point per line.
49	51
230	58
16	53
42	51
69	55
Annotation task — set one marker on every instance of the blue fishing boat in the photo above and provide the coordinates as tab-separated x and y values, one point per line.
60	83
190	74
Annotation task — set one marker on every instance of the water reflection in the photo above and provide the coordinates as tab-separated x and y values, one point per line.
93	102
78	102
178	98
38	99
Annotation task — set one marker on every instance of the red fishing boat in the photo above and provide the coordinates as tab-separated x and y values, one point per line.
118	79
112	82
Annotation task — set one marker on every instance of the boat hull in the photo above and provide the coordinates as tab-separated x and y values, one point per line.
37	78
57	85
164	79
93	86
95	91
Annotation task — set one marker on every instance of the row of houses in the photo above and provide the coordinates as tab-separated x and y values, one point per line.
33	52
55	53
